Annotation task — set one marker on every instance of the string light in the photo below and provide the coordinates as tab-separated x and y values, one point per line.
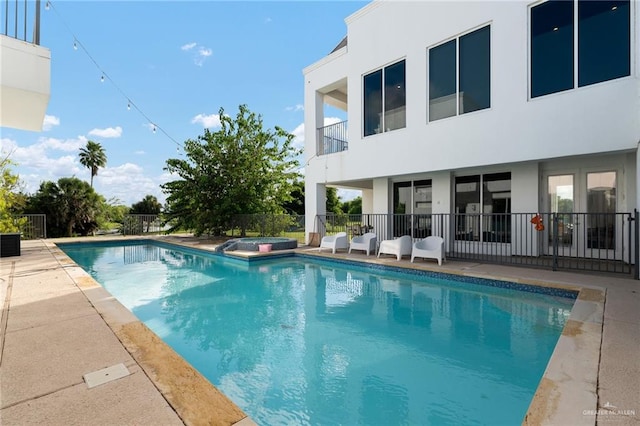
77	44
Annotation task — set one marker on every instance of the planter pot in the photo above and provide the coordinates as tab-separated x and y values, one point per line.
264	248
10	244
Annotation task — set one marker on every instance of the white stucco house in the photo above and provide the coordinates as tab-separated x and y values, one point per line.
483	113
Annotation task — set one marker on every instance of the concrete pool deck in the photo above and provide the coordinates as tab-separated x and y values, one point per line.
59	325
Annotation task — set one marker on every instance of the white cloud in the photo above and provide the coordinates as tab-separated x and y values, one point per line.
207	121
128	183
50	121
200	53
109	132
140	152
295	108
268	20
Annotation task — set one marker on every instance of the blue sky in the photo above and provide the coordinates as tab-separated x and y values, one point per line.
177	63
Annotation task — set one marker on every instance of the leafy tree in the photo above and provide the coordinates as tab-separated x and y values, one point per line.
333	201
352	207
72	206
93	157
296	204
10	198
148	205
241	168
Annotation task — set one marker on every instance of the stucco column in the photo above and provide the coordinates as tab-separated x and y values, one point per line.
315	203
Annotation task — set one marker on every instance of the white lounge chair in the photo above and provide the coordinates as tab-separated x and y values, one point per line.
366	242
334	242
399	247
431	247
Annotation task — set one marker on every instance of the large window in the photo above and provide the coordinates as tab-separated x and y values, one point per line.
601	39
385	99
483	207
412	208
460	75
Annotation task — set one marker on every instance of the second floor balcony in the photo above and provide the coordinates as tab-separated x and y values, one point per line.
25	67
332	138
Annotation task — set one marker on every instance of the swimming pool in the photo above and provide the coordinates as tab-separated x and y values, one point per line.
306	341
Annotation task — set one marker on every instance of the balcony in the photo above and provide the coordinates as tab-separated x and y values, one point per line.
332	138
25	69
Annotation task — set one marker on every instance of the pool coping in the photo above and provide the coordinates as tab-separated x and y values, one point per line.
570	379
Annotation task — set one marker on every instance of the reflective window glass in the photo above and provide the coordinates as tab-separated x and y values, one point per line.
372	103
603	41
442	81
475	71
551	47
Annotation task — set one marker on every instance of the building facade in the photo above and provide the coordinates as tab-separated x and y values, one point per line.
481	110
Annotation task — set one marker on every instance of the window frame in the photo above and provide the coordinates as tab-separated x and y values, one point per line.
576	48
383	113
457	38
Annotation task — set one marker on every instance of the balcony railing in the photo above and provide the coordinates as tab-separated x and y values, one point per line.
603	242
21	20
332	138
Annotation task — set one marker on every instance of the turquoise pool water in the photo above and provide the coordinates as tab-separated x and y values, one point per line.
297	340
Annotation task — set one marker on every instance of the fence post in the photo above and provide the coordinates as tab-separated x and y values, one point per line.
556	228
636	255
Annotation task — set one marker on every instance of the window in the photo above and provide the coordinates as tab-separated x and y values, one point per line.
385	110
412	208
460	75
601	39
483	207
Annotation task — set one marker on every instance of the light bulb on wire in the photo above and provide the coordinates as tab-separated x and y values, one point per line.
47	5
75	45
102	79
128	106
154	129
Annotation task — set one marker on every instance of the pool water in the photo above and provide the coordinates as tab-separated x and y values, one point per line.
297	340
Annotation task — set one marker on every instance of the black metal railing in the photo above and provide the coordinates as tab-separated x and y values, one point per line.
140	224
332	138
21	20
604	242
32	226
268	225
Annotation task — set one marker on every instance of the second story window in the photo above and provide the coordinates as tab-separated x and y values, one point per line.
460	75
601	39
385	99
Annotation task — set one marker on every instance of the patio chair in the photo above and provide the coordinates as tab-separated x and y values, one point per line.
399	247
430	247
366	242
334	242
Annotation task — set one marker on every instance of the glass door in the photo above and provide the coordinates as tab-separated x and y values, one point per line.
561	200
601	230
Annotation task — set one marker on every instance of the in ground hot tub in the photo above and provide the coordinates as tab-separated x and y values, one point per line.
254	243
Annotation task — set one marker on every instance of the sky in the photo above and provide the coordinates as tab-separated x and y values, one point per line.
170	65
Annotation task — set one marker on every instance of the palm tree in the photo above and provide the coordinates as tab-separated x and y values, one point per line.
93	157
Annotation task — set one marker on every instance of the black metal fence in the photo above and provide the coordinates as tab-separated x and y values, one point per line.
603	242
268	225
32	226
140	224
